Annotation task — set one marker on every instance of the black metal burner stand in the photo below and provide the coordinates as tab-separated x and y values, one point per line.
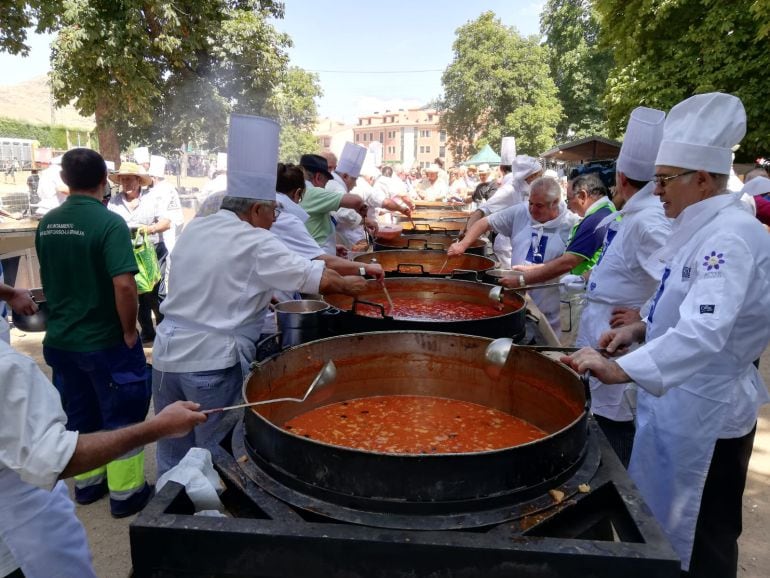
606	532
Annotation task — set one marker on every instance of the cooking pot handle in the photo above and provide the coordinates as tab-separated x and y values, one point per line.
465	274
357	302
435	246
423	241
423	225
441	229
398	267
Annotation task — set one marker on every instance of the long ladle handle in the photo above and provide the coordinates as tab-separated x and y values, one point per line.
252	404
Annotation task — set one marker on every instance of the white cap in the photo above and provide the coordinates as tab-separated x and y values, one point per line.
369	168
700	132
757	186
640	145
525	166
351	159
432	168
508	151
141	155
221	161
157	166
252	156
482	168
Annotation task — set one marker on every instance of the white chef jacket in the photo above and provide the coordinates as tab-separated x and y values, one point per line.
47	189
349	227
223	274
624	276
169	198
432	192
709	320
508	194
534	242
38	527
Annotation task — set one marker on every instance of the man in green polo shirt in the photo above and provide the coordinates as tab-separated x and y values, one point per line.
87	268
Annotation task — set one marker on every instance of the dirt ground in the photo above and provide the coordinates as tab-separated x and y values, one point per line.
110	544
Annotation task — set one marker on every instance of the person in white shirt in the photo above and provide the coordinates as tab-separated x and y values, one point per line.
223	273
432	188
168	200
40	535
51	189
539	233
625	276
699	392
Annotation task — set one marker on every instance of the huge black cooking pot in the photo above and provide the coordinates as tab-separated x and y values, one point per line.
416	242
368	312
37	321
532	387
414	263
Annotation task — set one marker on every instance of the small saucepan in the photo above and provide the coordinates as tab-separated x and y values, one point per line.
37	321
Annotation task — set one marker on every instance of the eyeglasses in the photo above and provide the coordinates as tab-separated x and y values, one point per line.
276	208
663	180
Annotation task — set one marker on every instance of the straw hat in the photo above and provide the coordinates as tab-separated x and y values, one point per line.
131	170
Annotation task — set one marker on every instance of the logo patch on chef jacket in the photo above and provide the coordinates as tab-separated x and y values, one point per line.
707	309
685	273
713	261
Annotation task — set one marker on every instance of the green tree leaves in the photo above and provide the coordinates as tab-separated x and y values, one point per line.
498	84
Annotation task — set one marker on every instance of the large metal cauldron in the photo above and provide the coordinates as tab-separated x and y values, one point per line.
433	215
442	227
532	387
509	323
413	263
422	242
440	206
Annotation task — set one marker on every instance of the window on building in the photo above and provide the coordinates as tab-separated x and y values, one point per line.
371	136
427	150
381	137
358	137
442	135
430	117
425	133
422	149
365	135
442	152
327	142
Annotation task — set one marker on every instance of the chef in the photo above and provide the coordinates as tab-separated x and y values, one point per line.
223	273
349	224
625	276
40	536
539	232
699	393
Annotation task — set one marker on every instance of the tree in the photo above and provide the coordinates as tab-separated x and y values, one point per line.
497	85
161	71
18	16
687	47
579	65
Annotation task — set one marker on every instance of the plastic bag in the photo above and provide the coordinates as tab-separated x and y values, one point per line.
147	261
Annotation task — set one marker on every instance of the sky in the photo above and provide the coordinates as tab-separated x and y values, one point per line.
370	56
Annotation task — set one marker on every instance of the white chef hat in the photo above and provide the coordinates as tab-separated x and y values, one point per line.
157	166
141	155
221	161
641	143
351	159
757	186
700	132
369	168
525	166
252	155
508	150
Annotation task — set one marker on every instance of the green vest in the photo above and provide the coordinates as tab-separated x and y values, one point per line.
589	263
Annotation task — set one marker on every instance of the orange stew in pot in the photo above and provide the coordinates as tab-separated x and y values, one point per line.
413	424
440	310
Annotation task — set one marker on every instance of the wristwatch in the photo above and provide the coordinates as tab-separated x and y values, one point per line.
362	271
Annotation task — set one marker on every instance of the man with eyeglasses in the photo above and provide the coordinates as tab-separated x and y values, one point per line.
625	276
539	232
699	391
224	271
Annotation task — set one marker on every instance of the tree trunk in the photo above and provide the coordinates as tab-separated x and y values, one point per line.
109	146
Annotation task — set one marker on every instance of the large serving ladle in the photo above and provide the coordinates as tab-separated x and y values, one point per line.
498	352
496	293
324	377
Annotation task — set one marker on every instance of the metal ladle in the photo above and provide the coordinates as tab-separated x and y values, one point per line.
324	377
498	351
496	293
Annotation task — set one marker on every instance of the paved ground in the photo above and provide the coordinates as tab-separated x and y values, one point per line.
110	545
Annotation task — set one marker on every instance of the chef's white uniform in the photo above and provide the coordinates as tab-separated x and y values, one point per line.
533	243
624	276
510	193
39	531
709	320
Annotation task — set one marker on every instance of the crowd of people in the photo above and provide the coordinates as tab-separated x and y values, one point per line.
672	259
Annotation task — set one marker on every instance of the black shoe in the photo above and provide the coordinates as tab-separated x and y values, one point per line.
147	338
91	494
136	503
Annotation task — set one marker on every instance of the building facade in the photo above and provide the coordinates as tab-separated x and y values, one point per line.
408	137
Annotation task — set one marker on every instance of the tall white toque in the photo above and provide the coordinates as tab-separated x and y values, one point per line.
141	155
641	143
700	133
351	160
508	151
157	166
252	157
524	166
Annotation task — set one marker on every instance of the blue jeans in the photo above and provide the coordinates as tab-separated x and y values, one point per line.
101	390
211	389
